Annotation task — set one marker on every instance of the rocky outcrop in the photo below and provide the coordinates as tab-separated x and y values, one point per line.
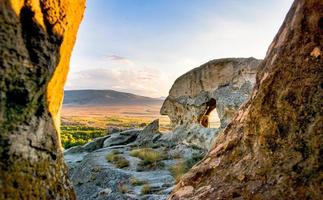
36	40
222	84
150	134
121	138
95	176
272	148
193	135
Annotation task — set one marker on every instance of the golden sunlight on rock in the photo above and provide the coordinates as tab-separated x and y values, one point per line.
38	37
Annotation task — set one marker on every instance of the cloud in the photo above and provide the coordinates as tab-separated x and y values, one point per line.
118	59
146	82
115	57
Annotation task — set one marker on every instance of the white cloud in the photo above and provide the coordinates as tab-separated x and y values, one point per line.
117	59
126	78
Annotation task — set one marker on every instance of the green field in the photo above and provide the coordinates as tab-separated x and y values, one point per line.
79	135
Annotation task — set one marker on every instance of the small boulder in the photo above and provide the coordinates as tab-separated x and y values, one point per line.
121	138
95	144
153	127
150	134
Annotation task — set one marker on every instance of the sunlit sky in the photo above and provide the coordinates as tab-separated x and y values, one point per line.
142	46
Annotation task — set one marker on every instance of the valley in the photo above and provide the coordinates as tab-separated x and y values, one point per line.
108	110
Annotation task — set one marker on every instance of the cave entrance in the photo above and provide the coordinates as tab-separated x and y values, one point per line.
210	119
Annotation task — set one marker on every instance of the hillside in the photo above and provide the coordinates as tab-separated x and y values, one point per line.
105	98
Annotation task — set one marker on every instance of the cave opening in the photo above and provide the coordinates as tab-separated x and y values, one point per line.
210	118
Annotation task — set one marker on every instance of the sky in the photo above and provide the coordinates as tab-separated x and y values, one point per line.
142	46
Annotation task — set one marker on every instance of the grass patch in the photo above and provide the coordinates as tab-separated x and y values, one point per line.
150	159
135	182
147	154
145	166
146	189
179	169
118	160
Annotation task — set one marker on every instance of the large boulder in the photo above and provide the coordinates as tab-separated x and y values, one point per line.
36	40
273	147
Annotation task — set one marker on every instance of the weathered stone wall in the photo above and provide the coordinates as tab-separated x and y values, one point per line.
226	83
36	40
273	147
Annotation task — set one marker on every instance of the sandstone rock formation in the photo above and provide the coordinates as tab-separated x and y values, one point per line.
36	40
272	148
221	86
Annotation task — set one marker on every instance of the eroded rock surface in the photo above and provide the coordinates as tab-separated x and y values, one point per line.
273	147
221	86
96	176
36	40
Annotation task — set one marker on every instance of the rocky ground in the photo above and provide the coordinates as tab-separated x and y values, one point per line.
110	167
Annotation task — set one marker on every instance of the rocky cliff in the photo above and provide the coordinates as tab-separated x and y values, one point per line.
36	40
272	148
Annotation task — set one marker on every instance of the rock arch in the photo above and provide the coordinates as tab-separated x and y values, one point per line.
221	86
210	106
224	83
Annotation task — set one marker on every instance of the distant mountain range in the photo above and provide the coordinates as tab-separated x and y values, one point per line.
105	98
